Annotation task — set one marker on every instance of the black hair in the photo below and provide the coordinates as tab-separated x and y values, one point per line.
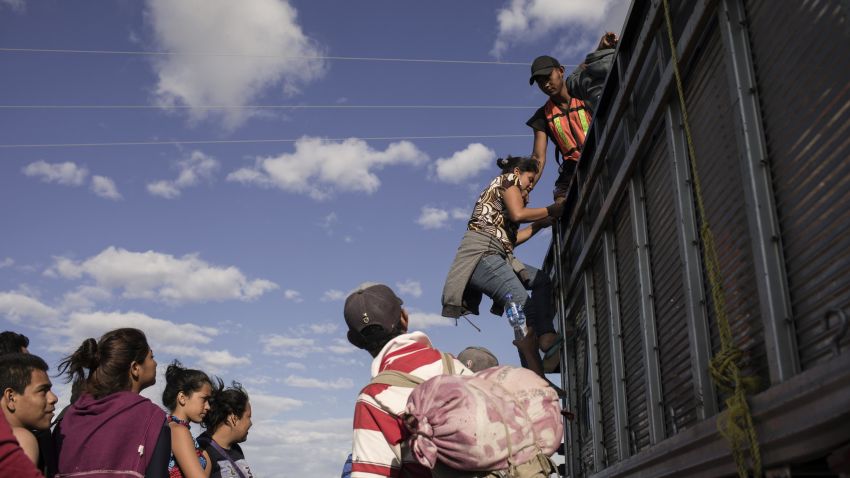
373	338
107	361
12	342
180	379
16	370
524	163
224	402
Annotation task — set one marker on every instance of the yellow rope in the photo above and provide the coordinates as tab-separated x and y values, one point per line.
737	425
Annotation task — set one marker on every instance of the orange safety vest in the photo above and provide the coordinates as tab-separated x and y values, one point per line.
568	130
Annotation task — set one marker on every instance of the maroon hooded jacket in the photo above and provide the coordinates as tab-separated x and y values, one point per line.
108	437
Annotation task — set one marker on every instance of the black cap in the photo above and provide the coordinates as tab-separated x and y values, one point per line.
542	66
373	305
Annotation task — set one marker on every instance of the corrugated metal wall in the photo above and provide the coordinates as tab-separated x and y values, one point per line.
802	48
709	108
633	348
668	291
585	400
603	342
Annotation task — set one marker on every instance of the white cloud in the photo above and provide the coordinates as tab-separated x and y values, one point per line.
275	445
319	167
168	339
293	295
296	366
84	297
433	218
325	328
525	21
193	169
465	164
7	262
67	173
157	276
341	347
436	218
309	382
422	320
410	287
105	187
333	295
259	45
266	406
282	345
16	307
16	5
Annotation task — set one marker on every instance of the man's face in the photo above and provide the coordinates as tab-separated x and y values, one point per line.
34	408
552	83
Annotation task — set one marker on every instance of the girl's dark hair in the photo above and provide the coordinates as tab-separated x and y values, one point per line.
224	402
524	163
102	367
180	379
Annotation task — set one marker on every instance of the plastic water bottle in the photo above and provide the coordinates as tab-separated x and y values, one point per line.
515	315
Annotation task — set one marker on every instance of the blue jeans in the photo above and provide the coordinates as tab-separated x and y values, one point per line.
495	278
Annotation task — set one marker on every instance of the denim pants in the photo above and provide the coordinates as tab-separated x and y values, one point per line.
495	278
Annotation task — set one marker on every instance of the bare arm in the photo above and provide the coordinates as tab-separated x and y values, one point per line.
28	443
183	448
527	233
538	153
518	213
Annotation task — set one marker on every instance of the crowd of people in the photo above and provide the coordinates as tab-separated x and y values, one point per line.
109	429
385	441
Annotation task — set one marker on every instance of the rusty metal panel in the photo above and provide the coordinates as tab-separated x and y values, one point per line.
804	89
603	346
678	397
710	111
633	346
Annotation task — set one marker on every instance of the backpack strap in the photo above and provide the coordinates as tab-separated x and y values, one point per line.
406	380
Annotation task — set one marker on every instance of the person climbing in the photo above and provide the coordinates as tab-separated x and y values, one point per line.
485	264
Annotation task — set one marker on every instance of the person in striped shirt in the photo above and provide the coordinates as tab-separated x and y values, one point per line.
377	323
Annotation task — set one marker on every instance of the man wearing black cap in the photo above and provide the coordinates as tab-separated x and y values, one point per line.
378	324
565	118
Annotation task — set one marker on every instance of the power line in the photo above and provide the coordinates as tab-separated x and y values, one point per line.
246	55
258	107
251	141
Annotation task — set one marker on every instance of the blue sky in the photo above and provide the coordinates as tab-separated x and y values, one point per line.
235	257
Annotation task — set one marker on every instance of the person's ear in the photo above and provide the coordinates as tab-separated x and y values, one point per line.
181	398
135	370
233	419
403	321
9	399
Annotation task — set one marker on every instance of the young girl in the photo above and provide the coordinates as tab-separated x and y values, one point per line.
186	395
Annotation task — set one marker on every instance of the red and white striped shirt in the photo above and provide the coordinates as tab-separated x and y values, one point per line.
380	438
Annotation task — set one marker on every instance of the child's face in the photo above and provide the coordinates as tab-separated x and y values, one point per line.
197	403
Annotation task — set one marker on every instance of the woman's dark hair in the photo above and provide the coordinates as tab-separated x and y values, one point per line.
224	402
180	379
102	367
524	163
13	342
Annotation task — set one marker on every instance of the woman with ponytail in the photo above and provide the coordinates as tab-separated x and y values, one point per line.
485	264
109	429
186	395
